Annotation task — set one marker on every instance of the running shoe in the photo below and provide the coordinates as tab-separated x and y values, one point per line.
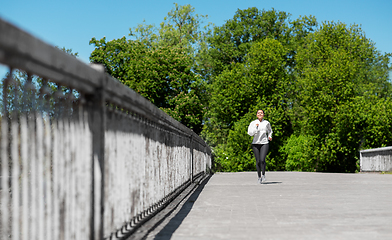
263	179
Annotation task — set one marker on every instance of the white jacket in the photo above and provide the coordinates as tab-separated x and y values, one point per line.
261	133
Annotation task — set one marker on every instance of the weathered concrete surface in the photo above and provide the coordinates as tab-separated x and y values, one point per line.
376	159
292	205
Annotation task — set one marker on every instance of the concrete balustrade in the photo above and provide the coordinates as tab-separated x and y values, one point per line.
376	160
83	156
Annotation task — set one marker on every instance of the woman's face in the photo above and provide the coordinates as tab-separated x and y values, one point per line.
260	114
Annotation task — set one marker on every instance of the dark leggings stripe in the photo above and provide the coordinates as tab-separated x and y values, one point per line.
260	151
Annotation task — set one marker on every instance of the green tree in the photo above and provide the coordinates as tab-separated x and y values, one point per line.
236	90
161	74
182	27
259	82
338	69
231	42
234	80
159	64
300	154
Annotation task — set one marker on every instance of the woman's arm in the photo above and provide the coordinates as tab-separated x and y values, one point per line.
269	129
252	130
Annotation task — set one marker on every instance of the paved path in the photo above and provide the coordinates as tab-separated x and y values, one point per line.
292	205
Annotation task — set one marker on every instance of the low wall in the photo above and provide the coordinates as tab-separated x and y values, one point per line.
81	155
376	160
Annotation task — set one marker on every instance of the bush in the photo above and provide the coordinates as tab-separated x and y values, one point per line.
301	153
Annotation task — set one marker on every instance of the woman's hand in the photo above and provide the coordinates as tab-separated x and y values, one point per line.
270	138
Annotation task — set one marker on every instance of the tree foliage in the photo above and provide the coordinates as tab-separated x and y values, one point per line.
324	88
338	71
327	84
252	57
236	90
159	67
231	42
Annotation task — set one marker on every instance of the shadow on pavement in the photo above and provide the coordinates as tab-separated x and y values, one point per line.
271	183
176	221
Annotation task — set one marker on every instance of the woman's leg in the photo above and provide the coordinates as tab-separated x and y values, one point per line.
256	152
263	153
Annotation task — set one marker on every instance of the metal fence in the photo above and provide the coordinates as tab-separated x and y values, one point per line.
82	156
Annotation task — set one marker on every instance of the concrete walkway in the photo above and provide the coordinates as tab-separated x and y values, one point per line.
292	205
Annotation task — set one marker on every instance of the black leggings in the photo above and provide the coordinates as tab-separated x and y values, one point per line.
260	151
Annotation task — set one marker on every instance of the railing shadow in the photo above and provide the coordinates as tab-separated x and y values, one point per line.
175	222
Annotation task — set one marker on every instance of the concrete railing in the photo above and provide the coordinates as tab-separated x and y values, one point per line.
376	160
83	156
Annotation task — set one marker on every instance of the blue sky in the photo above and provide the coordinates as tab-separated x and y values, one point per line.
71	24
